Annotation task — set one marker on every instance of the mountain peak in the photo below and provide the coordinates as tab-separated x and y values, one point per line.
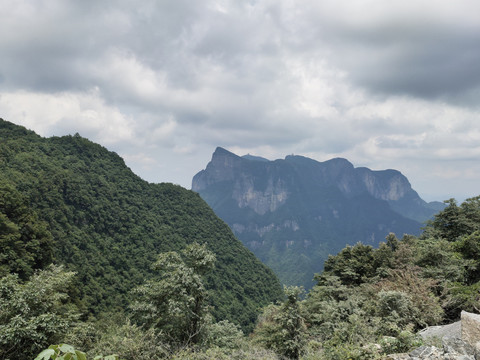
220	152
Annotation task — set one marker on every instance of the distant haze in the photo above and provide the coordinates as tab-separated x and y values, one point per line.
163	83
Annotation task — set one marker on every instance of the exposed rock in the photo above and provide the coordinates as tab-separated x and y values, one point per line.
426	352
450	330
470	327
402	356
432	353
460	341
452	345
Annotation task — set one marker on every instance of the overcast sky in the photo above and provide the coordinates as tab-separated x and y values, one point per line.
385	84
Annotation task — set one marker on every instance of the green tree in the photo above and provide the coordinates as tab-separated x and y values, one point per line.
34	314
25	242
455	221
353	264
469	247
282	327
176	303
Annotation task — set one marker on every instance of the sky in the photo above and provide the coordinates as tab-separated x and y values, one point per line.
384	84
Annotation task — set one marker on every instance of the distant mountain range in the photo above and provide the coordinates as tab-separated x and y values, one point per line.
293	213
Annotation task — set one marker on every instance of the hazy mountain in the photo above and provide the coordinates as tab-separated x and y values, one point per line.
108	225
293	213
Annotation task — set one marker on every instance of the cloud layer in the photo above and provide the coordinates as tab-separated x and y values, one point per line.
384	84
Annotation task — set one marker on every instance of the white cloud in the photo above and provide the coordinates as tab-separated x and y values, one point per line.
68	113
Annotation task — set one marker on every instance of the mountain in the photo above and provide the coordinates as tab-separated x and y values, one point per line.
95	216
293	213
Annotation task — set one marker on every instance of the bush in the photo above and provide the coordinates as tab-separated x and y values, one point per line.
224	334
34	314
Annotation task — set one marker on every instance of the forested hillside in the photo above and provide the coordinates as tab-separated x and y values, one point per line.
70	201
147	271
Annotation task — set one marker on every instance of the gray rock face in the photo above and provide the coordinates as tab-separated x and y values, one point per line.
426	352
459	351
452	345
440	332
470	327
460	341
260	201
389	185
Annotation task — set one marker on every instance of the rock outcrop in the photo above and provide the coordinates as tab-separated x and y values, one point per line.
459	341
470	327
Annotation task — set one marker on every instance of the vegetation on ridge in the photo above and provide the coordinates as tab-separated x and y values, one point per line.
72	201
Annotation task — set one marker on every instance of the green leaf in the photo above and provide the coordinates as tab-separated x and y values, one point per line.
80	355
45	354
67	349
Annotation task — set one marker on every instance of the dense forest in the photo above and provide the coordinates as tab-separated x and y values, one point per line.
94	257
68	201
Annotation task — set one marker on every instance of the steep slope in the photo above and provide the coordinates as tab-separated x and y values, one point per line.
293	213
108	224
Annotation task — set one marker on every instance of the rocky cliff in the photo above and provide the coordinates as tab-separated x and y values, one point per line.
294	212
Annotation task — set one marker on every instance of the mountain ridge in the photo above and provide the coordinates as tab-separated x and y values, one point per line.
107	224
315	207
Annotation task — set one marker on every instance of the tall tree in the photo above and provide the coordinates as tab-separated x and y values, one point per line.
176	303
282	327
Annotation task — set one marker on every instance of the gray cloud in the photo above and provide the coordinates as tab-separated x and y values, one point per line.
413	49
164	82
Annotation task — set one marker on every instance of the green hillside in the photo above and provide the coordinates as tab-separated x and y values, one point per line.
94	215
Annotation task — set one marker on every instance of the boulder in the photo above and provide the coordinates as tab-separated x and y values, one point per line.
452	345
451	330
460	341
470	328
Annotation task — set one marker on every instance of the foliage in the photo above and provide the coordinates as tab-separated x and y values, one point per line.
469	248
25	242
455	221
175	304
282	327
129	341
353	264
462	297
108	225
408	298
34	314
224	334
68	352
355	304
404	342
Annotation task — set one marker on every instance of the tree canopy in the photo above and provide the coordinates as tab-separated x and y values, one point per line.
108	225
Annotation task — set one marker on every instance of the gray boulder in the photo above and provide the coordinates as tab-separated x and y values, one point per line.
460	341
470	327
